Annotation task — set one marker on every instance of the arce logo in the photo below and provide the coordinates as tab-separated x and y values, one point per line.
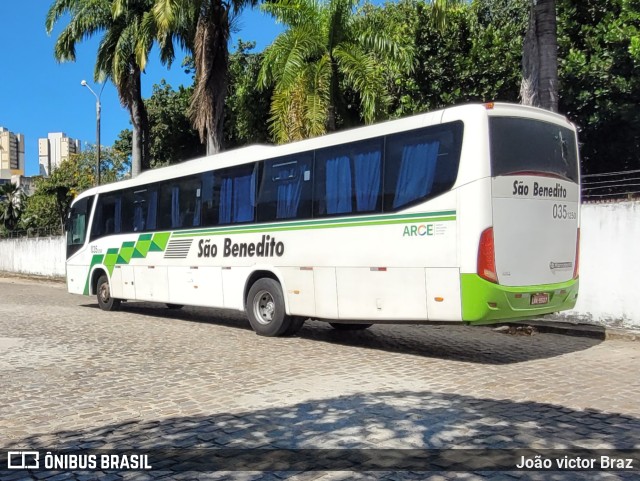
418	230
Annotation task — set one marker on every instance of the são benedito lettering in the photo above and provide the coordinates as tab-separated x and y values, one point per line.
558	191
267	247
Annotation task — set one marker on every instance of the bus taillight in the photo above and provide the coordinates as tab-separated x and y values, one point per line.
487	257
576	265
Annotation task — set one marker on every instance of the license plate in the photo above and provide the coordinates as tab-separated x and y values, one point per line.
539	299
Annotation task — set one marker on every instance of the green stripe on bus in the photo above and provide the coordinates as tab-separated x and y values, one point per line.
96	259
158	241
443	216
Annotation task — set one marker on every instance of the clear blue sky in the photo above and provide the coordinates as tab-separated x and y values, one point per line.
39	95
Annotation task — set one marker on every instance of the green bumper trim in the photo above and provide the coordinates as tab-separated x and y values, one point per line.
484	302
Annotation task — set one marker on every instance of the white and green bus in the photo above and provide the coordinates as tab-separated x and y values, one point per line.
465	214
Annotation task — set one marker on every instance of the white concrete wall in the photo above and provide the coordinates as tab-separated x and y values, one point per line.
44	256
609	263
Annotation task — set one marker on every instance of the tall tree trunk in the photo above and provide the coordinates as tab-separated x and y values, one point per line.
140	160
539	86
212	63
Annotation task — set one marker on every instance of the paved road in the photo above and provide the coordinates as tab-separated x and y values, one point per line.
74	377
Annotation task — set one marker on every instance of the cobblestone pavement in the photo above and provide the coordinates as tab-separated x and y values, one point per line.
74	377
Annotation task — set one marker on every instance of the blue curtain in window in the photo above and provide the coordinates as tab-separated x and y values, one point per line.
289	191
175	206
367	171
417	171
244	194
226	201
338	184
152	209
118	216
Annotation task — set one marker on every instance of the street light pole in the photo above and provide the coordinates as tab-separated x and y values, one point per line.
98	109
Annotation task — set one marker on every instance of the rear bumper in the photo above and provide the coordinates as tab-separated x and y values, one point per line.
484	302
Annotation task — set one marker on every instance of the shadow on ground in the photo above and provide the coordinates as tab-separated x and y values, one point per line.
336	433
476	344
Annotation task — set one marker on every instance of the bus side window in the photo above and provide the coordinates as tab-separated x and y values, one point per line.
209	204
348	178
107	216
236	188
420	164
140	209
164	206
285	189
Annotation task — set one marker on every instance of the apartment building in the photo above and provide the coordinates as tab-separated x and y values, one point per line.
11	154
54	149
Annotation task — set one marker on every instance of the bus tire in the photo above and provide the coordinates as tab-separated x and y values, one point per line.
349	327
265	308
103	293
174	306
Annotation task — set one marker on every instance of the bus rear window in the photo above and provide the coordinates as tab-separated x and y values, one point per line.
520	146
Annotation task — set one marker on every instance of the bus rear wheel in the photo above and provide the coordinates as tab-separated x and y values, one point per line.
349	327
266	310
103	292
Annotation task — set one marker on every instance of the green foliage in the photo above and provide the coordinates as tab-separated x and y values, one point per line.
11	205
325	57
600	80
173	139
246	108
48	206
467	52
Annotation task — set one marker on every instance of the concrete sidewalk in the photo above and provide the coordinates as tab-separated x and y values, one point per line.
590	331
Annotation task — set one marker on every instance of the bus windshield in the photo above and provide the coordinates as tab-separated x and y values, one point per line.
520	146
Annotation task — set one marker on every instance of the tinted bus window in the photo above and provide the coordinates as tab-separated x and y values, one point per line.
145	204
348	178
179	203
236	194
531	146
285	190
107	218
421	164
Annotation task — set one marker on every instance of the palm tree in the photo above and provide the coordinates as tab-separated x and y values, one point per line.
203	27
323	53
10	205
540	57
117	57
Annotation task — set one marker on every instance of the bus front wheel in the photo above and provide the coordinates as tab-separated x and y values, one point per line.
103	292
265	308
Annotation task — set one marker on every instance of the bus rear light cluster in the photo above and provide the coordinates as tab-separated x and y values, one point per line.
487	257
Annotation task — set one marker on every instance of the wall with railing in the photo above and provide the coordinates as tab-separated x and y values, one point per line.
609	263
